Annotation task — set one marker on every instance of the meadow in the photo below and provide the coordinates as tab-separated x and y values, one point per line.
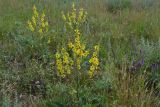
79	53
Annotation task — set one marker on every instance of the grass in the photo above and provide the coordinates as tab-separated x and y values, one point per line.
126	65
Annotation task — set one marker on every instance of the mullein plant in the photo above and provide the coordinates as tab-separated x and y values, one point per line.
78	49
69	60
75	18
40	39
38	22
64	63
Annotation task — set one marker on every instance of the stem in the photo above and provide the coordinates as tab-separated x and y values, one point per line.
77	88
77	82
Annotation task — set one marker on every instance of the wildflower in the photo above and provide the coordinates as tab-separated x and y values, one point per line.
82	15
30	26
70	45
35	11
42	17
64	63
38	22
78	62
94	61
34	20
77	47
59	66
74	18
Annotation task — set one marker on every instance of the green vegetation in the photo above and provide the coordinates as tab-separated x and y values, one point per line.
79	53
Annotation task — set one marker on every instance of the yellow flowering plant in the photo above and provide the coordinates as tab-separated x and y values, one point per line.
38	22
67	64
39	34
79	52
70	60
94	61
63	62
74	18
77	47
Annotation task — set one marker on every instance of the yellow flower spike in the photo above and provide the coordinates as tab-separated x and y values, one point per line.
77	32
80	15
78	48
59	65
34	20
73	14
35	11
92	68
94	61
70	45
42	19
34	8
64	68
30	26
73	7
69	17
38	23
78	63
74	18
60	68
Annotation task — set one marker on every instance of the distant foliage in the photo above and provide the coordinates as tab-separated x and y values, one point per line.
115	5
146	4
